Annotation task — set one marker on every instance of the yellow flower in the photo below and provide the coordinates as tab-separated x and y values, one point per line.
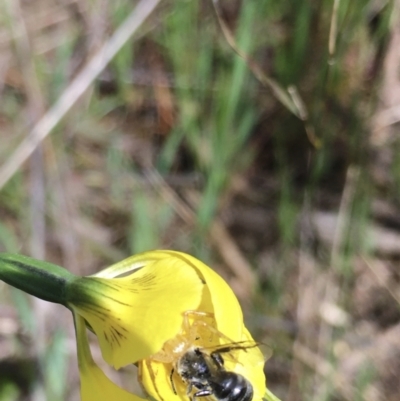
164	311
149	310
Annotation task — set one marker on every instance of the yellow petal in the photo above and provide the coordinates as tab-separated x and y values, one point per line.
250	364
95	385
133	316
156	380
218	297
124	267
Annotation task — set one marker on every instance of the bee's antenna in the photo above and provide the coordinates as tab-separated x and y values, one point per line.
242	345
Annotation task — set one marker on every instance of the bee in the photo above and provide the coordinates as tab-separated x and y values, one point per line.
205	374
201	368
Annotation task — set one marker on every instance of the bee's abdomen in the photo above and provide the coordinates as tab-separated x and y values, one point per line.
232	387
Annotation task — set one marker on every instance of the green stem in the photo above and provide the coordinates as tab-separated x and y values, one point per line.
270	396
41	279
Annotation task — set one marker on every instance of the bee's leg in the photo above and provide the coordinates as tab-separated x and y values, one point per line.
217	358
202	393
188	392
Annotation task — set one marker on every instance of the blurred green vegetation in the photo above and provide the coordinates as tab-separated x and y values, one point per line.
180	102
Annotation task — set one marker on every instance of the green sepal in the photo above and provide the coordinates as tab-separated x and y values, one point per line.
41	279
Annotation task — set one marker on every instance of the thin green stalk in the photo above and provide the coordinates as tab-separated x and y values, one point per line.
41	279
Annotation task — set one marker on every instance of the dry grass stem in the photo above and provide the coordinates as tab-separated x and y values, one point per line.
280	93
372	266
233	257
35	109
289	98
333	29
77	87
332	289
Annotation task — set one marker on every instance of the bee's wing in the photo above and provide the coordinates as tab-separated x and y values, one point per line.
267	350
